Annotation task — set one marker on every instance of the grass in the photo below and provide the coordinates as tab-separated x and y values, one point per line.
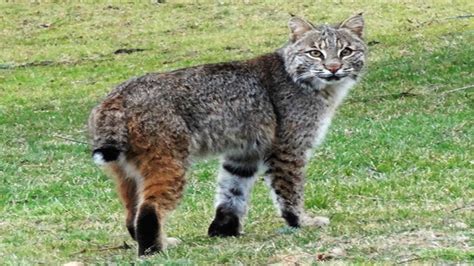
395	173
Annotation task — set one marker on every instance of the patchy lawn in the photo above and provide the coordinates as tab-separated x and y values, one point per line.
395	174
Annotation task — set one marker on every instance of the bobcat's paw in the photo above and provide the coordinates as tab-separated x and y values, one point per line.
315	221
172	242
224	225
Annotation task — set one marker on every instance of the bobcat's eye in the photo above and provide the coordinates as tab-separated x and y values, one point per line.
315	54
345	52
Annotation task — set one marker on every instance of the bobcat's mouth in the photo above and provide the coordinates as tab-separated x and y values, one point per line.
333	77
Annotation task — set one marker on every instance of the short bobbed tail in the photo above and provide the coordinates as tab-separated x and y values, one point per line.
108	129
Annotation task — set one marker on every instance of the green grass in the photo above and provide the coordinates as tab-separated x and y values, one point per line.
395	173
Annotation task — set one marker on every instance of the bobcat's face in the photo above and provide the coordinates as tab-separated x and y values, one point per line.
322	55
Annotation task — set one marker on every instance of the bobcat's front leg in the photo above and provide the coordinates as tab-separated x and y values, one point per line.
236	179
285	178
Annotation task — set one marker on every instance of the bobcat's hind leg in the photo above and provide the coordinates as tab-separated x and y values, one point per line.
127	190
285	177
161	187
235	181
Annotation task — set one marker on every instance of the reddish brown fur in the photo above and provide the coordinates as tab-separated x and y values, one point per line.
163	179
127	190
162	166
105	118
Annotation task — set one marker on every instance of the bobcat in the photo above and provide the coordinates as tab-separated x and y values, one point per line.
264	113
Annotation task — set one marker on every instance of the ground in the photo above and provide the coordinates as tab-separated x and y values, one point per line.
395	174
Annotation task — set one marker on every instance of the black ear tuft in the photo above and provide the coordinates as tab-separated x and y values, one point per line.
354	24
298	27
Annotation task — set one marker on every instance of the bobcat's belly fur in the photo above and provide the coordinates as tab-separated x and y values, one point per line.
268	111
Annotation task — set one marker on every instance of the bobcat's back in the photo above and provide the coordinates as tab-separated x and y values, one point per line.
216	108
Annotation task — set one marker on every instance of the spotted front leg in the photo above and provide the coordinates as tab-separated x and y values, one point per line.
235	181
285	177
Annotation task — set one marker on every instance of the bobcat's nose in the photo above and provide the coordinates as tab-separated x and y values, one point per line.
333	67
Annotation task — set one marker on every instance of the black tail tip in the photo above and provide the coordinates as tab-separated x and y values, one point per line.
105	155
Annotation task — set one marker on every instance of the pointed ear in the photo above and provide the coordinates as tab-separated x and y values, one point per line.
354	24
298	27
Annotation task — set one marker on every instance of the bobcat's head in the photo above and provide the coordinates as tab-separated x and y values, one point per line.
317	56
